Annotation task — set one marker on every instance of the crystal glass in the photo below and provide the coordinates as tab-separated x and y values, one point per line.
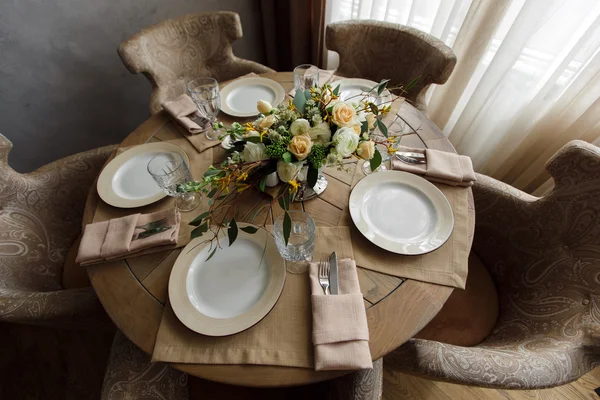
302	237
377	136
169	170
306	76
205	94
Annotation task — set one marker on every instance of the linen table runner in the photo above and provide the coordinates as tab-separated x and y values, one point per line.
283	337
446	265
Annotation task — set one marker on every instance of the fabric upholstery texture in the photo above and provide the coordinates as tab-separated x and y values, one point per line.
544	257
176	51
382	50
40	218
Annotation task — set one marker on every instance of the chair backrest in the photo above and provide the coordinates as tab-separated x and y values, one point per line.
185	46
382	50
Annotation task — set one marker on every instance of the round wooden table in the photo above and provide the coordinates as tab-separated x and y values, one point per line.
134	291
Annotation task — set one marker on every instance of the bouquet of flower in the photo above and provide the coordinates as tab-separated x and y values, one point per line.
294	140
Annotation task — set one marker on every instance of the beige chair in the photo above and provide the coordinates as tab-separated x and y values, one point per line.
131	375
176	51
379	50
40	218
544	257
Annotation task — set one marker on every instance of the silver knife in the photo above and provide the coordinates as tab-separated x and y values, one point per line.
333	274
409	154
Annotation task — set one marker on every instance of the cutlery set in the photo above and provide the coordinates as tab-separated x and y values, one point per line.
410	158
328	275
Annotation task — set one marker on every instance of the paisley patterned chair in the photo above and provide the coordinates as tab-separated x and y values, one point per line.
176	51
544	257
382	50
131	375
40	218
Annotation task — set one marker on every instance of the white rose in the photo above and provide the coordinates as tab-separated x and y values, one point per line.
265	122
254	152
287	171
321	133
264	107
346	141
299	127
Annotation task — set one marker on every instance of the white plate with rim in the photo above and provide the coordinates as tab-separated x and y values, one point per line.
125	181
401	212
233	290
353	87
239	97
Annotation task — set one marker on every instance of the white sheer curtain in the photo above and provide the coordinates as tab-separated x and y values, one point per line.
527	79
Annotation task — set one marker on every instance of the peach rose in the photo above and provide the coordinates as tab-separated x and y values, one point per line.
343	114
366	150
300	146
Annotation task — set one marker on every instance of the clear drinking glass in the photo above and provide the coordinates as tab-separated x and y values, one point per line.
205	94
385	156
169	170
306	76
302	237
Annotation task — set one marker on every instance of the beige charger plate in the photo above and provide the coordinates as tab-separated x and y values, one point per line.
186	277
138	175
239	97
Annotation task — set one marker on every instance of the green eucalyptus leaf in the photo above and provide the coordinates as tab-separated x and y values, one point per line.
364	126
374	108
232	231
212	253
312	177
336	91
212	193
287	157
376	160
249	229
262	183
287	227
412	83
197	232
253	139
382	127
300	101
382	85
212	172
198	220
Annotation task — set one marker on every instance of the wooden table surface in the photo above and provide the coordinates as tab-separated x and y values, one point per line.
134	291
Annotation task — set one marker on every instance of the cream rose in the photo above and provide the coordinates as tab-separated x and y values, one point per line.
264	107
251	133
299	127
356	129
366	150
287	171
345	141
254	152
300	146
370	120
343	114
266	122
320	133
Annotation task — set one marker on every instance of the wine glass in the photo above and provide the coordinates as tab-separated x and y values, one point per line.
205	94
170	170
301	242
306	76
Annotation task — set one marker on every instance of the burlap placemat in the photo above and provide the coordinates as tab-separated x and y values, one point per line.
283	337
445	266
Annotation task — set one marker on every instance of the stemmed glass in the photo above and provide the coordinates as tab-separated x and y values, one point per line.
306	76
170	170
205	94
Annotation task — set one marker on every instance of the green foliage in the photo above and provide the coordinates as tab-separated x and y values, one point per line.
300	101
276	150
287	227
287	157
313	176
232	231
317	155
283	197
412	83
382	127
364	126
249	229
382	85
336	91
197	232
262	183
198	220
376	160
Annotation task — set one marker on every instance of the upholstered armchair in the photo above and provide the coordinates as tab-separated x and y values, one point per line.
544	257
40	218
176	51
130	375
382	50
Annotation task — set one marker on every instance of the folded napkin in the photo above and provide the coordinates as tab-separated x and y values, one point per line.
340	332
442	167
184	111
118	237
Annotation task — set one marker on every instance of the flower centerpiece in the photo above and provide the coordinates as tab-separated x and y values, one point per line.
293	141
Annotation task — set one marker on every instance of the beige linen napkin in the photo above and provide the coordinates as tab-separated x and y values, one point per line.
184	111
118	237
340	331
441	166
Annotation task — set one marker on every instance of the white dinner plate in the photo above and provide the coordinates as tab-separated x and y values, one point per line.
401	212
231	291
239	97
125	181
351	89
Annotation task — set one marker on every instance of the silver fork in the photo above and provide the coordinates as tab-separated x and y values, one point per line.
153	224
409	160
324	275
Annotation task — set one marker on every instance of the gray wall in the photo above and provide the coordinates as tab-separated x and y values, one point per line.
64	89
